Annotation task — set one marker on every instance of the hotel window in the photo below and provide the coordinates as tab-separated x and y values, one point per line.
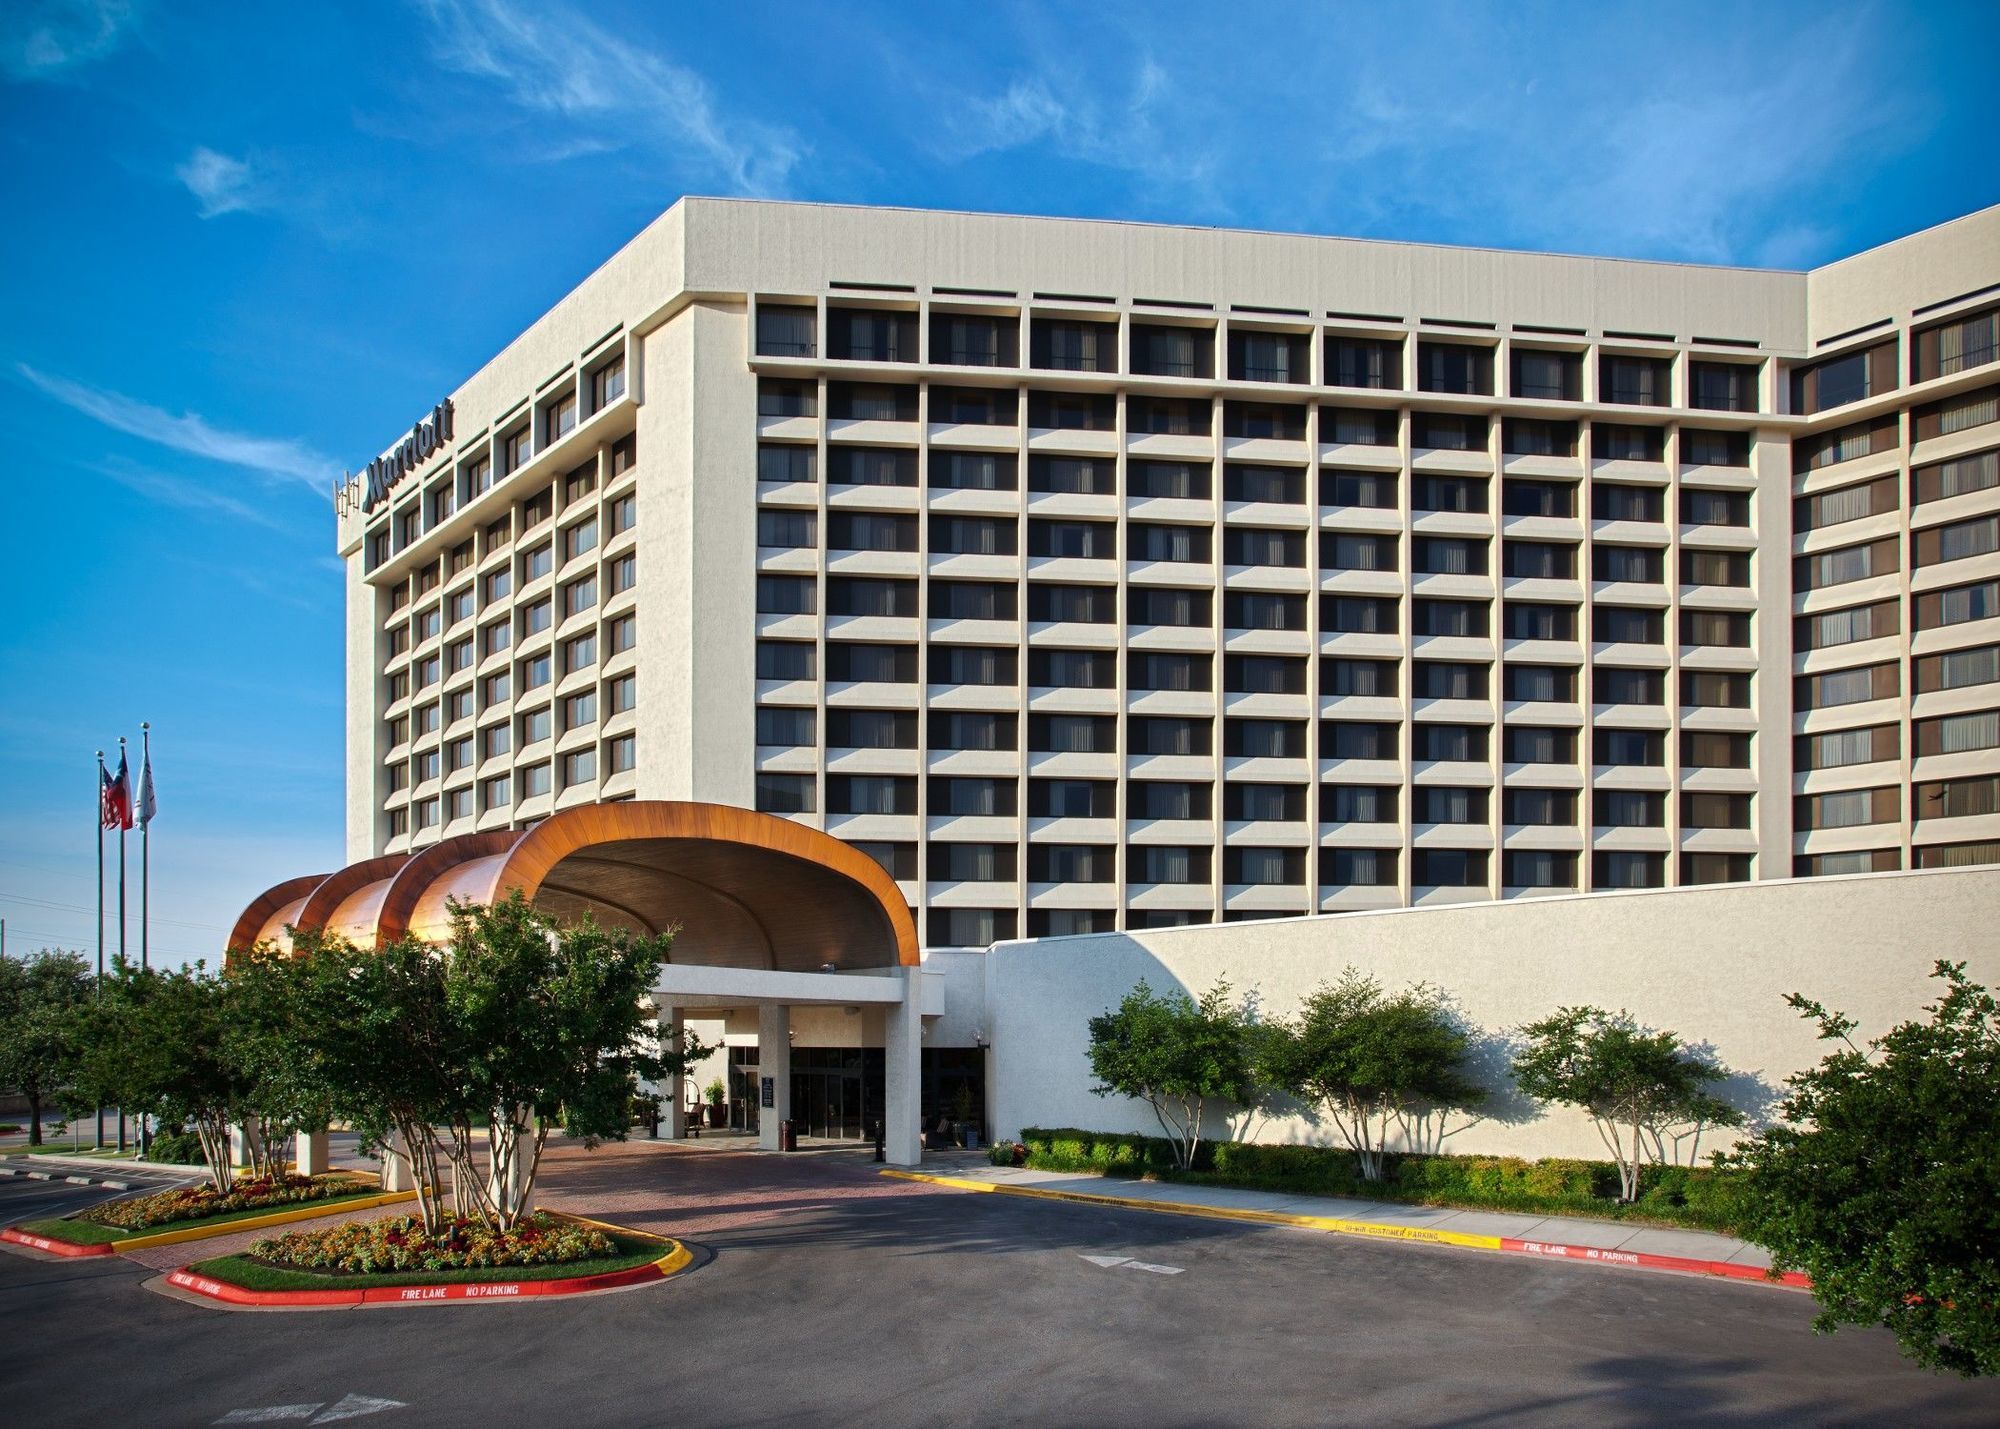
1841	380
1628	870
427	672
378	548
559	419
1844	748
1616	686
954	729
1538	560
1071	475
1165	481
1168	543
624	573
408	526
459	605
1263	867
1539	744
458	706
1722	386
1958	669
537	563
458	754
1697	868
1264	738
1448	556
1358	867
1161	351
971	927
1358	677
399	823
399	641
1071	863
975	798
518	447
871	794
1533	620
1353	739
1072	669
1449	743
1848	564
1156	799
973	340
974	665
459	653
1958	345
1959	734
1958	605
1642	748
496	740
1078	540
785	331
872	466
579	768
1848	687
780	398
1448	868
499	533
868	335
785	793
1257	546
428	765
1634	381
579	654
1072	411
607	384
1267	420
1070	346
1081	799
427	580
622	754
580	710
496	637
536	726
443	502
1372	490
1728	629
1356	426
1540	808
973	536
1168	864
1642	564
1616	443
1453	367
1364	362
1538	868
579	484
499	585
1359	804
1077	604
1957	798
580	538
973	471
1168	416
1958	541
974	406
974	600
399	777
535	672
1267	356
975	863
1844	627
848	662
1257	610
579	596
1439	431
534	780
1850	808
1715	508
494	690
782	728
623	694
1150	671
786	463
428	622
1706	448
1452	617
1627	625
871	729
1715	811
1153	734
1359	615
1547	376
536	618
786	528
1449	493
787	595
1711	749
1450	680
457	804
1540	683
1262	674
1960	477
1612	501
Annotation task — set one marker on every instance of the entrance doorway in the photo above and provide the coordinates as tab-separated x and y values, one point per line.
837	1092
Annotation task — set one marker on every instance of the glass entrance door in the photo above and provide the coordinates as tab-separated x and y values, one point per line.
837	1091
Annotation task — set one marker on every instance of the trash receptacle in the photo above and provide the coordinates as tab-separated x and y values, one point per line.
788	1136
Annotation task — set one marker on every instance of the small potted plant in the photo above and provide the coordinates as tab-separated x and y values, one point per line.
718	1113
964	1116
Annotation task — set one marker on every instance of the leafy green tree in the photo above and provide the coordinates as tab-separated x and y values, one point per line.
1178	1055
157	1043
1881	1181
282	1086
1635	1083
40	1000
1370	1059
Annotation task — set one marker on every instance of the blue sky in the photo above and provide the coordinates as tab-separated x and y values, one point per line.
240	254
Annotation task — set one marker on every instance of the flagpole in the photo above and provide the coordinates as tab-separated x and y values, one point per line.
98	992
145	844
121	906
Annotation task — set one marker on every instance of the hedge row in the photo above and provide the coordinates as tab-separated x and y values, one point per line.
1697	1197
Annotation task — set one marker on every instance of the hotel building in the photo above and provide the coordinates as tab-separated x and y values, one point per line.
1095	576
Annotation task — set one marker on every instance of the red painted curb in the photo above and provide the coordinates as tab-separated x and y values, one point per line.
214	1289
1642	1260
56	1247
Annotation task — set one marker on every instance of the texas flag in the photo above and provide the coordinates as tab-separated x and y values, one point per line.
115	796
148	805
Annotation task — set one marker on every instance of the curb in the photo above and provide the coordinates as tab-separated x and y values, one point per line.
50	1246
1337	1225
72	1180
672	1263
309	1211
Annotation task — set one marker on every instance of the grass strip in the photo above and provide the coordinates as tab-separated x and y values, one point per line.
91	1233
248	1274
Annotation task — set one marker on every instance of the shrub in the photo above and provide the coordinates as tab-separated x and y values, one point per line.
1007	1153
175	1148
402	1243
1108	1153
191	1203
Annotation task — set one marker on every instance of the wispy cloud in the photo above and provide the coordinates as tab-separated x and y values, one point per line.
219	183
551	60
187	494
271	457
42	40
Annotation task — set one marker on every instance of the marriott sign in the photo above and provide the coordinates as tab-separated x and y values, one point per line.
423	442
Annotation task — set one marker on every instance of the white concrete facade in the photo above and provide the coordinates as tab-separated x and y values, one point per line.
1231	661
1713	964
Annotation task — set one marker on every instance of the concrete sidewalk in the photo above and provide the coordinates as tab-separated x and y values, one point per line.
1617	1243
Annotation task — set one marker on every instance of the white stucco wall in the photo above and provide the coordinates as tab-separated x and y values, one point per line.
1713	964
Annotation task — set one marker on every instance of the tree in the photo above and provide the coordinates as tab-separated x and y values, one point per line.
158	1043
1634	1082
40	998
1369	1059
282	1085
1881	1181
1177	1055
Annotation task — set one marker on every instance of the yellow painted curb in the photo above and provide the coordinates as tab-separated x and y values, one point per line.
672	1263
307	1212
1335	1224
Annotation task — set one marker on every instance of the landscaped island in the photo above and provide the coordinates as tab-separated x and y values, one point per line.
197	1207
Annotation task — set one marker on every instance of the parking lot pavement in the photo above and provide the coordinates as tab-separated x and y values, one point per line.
826	1295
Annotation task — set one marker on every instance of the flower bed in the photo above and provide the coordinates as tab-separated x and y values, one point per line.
137	1214
400	1243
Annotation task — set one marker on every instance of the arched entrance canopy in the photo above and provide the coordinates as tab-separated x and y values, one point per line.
747	889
